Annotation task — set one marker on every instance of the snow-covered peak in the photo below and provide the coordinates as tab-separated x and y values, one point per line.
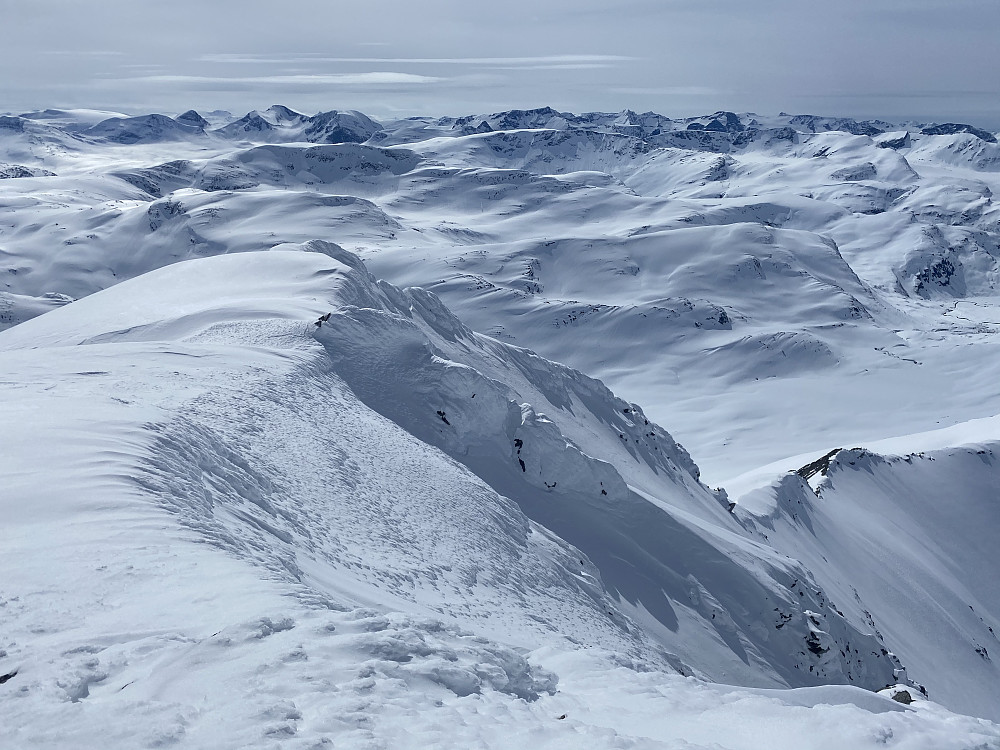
144	129
72	119
191	117
279	114
341	127
278	124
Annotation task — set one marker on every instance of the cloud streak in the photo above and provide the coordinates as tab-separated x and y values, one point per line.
374	78
315	58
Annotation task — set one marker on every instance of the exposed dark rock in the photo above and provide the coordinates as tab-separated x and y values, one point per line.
937	274
866	171
14	171
951	128
816	124
12	123
902	141
192	118
820	465
814	645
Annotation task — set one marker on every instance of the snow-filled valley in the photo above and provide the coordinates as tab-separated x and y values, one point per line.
288	459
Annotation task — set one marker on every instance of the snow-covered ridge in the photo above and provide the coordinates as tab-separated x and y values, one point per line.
350	531
569	453
262	450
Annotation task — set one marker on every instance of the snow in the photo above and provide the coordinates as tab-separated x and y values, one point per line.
919	571
256	497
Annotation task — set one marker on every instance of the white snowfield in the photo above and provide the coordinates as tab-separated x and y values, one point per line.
251	496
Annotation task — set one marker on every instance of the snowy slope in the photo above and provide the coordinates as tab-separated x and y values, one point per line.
907	544
769	288
575	459
229	546
145	469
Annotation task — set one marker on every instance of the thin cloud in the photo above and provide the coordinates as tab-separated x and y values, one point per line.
671	91
82	53
554	66
377	78
244	59
881	95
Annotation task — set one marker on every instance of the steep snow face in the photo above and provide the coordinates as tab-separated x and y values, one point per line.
595	471
907	544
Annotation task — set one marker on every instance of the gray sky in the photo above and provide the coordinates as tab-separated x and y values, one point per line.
897	59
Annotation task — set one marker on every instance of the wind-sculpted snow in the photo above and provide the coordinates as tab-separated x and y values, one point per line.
394	344
570	453
225	414
91	249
